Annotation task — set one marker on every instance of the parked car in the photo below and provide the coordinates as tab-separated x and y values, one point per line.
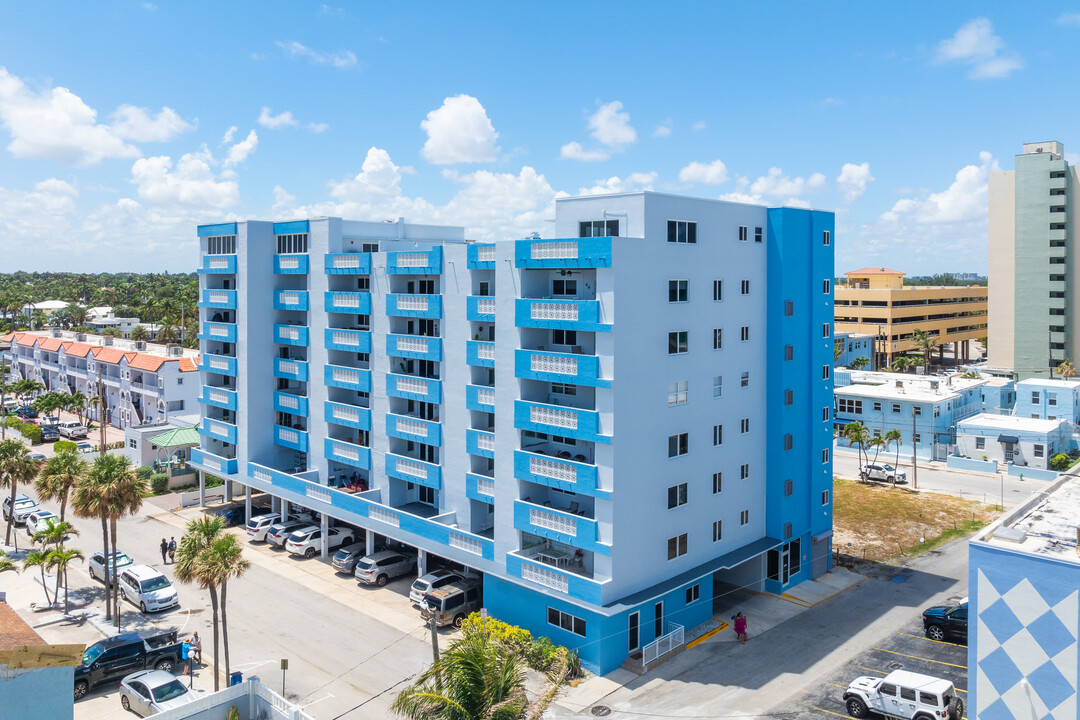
432	581
149	692
452	603
278	533
72	430
882	472
117	657
84	447
904	695
24	508
27	412
945	622
259	524
383	566
96	564
49	433
345	558
38	457
232	515
307	541
40	520
148	588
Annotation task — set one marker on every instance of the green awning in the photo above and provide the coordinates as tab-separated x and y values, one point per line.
181	437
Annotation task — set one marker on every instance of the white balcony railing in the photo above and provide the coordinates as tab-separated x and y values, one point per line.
412	260
289	298
485	306
554	251
345	338
384	515
289	262
346	301
485	254
552	469
218	297
415	345
289	333
553	311
348	414
545	577
412	427
289	401
289	367
412	385
672	639
408	467
467	543
347	451
413	302
485	442
218	363
217	396
289	436
485	487
345	261
485	352
553	364
553	416
220	263
551	521
485	396
345	375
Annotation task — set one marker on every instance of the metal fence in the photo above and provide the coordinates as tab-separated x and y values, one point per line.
670	640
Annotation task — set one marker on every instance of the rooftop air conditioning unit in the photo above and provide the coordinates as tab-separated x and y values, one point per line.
934	385
140	345
175	351
107	340
80	337
57	332
900	386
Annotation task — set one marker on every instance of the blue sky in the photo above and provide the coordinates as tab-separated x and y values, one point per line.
124	125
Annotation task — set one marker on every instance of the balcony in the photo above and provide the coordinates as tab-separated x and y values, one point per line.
220	299
222	332
413	470
357	303
292	438
411	428
480	443
523	564
581	315
1058	183
559	525
480	308
559	420
291	369
424	522
213	463
417	262
348	263
1058	234
1057	252
291	300
589	252
290	264
569	368
480	353
419	306
357	341
291	404
481	256
577	476
1056	286
216	397
347	453
414	346
218	265
347	415
219	430
480	487
411	387
220	364
347	378
294	335
480	398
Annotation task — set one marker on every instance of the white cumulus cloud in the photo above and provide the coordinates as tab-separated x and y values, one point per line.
963	201
610	126
664	128
192	183
139	125
777	184
615	184
853	180
574	151
239	152
341	59
714	173
317	127
975	44
459	131
271	121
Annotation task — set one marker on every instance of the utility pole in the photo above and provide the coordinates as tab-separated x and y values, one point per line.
914	455
102	405
434	638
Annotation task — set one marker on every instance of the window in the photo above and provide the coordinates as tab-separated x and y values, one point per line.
916	438
676	496
676	547
758	233
789	353
825	456
744	471
718	338
1051	399
744	333
744	517
789	442
744	425
1039	450
745	287
980	443
789	397
718	435
179	381
825	497
133	443
221	245
826	287
1035	398
717	290
564	337
824	372
678	444
896	407
743	233
681	231
847	406
566	621
745	381
916	409
789	488
598	228
907	693
294	243
717	482
677	392
563	389
563	287
825	414
718	386
717	530
678	291
826	238
826	330
678	342
369	247
693	593
877	406
426	495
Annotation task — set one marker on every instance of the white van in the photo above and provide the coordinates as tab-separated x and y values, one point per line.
148	588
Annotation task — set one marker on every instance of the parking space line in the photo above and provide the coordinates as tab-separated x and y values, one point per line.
833	713
873	670
923	637
837	685
706	636
916	657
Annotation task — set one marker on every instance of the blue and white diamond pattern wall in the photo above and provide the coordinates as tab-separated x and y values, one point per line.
1026	641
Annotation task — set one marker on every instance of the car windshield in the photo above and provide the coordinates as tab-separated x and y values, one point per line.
23	504
342	555
890	468
119	560
169	691
157	583
420	585
92	653
364	564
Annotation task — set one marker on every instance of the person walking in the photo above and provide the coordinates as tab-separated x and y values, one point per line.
196	648
172	550
740	627
164	551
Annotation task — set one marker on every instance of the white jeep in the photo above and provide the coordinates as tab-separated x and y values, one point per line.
905	695
883	472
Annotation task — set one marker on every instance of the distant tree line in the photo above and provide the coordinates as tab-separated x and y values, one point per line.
940	279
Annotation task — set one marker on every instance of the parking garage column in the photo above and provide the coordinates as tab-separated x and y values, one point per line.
421	563
202	489
369	542
325	542
247	504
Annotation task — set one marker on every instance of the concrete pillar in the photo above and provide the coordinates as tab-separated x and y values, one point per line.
202	489
247	503
421	563
324	526
369	542
228	491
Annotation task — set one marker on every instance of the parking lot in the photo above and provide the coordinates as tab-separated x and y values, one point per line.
907	648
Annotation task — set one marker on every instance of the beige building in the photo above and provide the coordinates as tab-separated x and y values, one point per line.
876	302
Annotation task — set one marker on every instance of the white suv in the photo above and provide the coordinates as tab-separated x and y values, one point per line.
24	507
308	541
905	695
147	588
883	472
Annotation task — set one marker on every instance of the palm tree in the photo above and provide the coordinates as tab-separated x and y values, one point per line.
1066	369
900	364
877	442
124	492
140	333
474	678
40	560
167	333
859	363
60	558
16	466
77	404
857	434
89	501
61	473
6	565
925	342
191	568
224	561
894	436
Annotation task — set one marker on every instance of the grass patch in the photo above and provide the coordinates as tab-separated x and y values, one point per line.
880	523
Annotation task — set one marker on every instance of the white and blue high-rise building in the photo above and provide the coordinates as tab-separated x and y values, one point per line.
608	425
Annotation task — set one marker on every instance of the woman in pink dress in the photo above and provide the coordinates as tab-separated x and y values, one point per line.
740	627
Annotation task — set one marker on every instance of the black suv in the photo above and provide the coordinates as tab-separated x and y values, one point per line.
945	622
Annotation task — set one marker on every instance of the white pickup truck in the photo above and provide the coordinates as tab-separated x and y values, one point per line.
72	430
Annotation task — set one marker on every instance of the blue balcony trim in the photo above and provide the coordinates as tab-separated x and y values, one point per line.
281	339
434	347
217	229
362	337
281	265
394	388
363	460
588	422
434	265
228	266
204	365
394	429
229	336
209	460
363	383
361	265
472	353
301	374
587	482
592	252
472	443
228	436
291	227
301	304
472	399
229	304
581	588
588	369
434	309
362	423
588	315
301	443
473	257
363	305
434	472
472	309
472	491
301	409
587	537
229	404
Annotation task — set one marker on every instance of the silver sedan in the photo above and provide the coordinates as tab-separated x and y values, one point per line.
152	691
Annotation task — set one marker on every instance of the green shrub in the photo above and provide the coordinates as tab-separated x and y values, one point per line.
214	481
144	472
31	433
159	483
13	422
1060	462
538	653
65	446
